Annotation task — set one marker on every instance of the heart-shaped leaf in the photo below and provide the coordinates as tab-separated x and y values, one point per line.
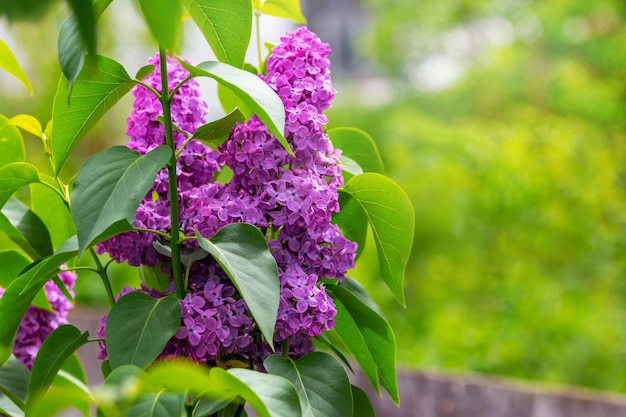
26	229
226	25
12	143
101	84
242	252
10	65
138	328
322	383
110	186
15	176
390	214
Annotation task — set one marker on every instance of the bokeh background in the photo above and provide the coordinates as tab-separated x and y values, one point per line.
504	121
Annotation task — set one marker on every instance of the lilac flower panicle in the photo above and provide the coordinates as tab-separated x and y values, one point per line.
37	324
290	197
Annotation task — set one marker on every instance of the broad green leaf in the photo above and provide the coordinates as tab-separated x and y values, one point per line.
154	278
216	132
15	176
359	147
9	408
62	343
158	404
390	214
138	328
53	211
230	102
242	252
70	45
351	221
86	20
18	296
11	143
9	63
26	229
206	406
322	383
226	25
269	395
257	95
110	186
14	378
164	19
289	9
362	405
27	123
368	336
12	264
101	84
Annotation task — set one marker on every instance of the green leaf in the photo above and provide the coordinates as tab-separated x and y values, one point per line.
216	132
242	252
138	328
27	123
11	142
101	84
12	264
53	211
362	404
144	71
289	9
9	63
154	278
164	19
183	375
15	176
58	399
255	94
62	343
206	406
86	20
26	229
70	44
18	296
158	404
366	333
110	186
390	214
322	383
350	220
226	25
14	378
269	395
359	147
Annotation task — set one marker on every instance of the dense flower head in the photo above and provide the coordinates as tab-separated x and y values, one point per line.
291	197
37	324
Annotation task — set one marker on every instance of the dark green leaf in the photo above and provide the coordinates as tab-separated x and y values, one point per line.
242	252
368	336
144	71
322	383
86	20
14	378
289	9
269	395
15	176
110	186
323	339
28	231
10	64
12	142
352	221
55	350
101	84
215	133
226	25
359	147
12	264
53	211
18	296
206	406
389	213
257	95
139	327
158	404
164	20
362	404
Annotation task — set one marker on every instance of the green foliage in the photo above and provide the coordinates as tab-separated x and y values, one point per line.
10	65
164	18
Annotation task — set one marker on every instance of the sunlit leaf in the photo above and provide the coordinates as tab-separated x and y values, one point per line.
226	25
164	20
289	9
11	143
27	123
110	186
389	213
138	328
15	176
322	383
257	95
9	63
26	229
242	252
12	264
359	147
101	84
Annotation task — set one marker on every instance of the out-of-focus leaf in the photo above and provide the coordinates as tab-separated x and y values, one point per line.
164	20
158	404
9	63
12	143
12	264
27	123
289	9
15	176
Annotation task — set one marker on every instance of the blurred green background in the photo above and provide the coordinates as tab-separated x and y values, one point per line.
504	121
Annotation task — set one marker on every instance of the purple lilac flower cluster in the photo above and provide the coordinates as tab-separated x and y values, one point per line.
37	323
291	197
